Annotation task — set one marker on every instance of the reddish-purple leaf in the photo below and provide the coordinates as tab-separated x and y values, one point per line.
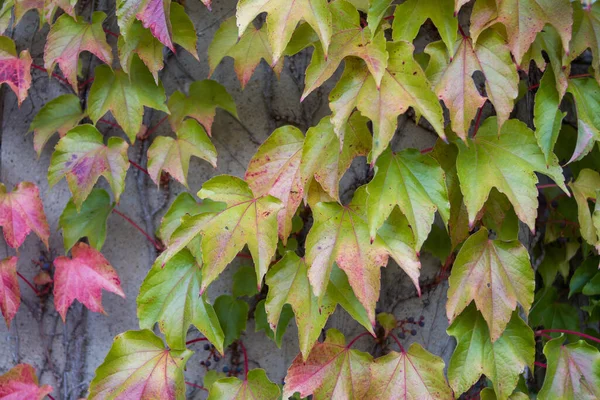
21	383
155	16
15	71
10	295
83	277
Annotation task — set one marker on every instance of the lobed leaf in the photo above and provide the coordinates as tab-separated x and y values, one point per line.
21	212
10	294
15	70
256	385
21	383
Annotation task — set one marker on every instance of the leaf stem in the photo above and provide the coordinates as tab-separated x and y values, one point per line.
155	127
111	33
50	396
157	246
202	339
568	332
398	343
196	386
138	166
356	338
244	255
28	283
541	365
427	150
86	82
546	186
245	360
107	122
462	33
477	121
60	78
576	76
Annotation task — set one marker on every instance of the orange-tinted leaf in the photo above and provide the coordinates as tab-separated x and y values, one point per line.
21	383
10	294
83	277
15	71
21	212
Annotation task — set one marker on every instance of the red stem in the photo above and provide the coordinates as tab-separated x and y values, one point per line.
537	85
398	343
462	33
356	338
155	127
107	122
568	332
244	255
427	150
546	186
138	166
196	386
60	78
157	246
245	360
111	33
477	121
50	396
85	83
541	365
202	339
28	283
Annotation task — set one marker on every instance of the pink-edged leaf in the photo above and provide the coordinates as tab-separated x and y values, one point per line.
208	4
83	277
10	294
15	71
21	383
22	211
154	15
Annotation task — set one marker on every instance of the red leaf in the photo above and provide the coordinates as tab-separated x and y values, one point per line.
154	16
20	383
15	71
83	277
10	295
21	212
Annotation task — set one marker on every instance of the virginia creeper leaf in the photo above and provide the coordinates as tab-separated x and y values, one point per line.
15	70
547	116
21	383
586	187
262	324
21	212
83	277
256	385
89	221
141	42
376	13
412	374
138	366
154	15
549	312
496	275
244	282
586	33
184	32
331	371
170	296
82	157
68	37
10	294
232	314
489	394
586	93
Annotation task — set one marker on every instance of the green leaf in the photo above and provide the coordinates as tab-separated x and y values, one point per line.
173	155
547	116
501	361
586	93
170	296
377	11
81	157
262	323
184	32
549	312
556	259
582	275
89	222
500	216
496	275
256	385
489	394
244	282
232	315
387	321
125	95
139	366
592	288
58	115
586	34
340	292
586	188
573	371
141	42
210	377
506	162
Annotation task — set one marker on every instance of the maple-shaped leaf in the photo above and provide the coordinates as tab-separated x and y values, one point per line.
21	383
89	221
283	17
586	93
58	115
321	155
410	15
201	104
547	116
21	212
83	277
496	275
415	183
490	56
10	294
170	296
586	188
15	70
173	155
125	96
68	37
586	33
349	39
154	15
331	371
256	385
275	170
138	366
507	162
412	374
82	157
501	361
573	371
376	12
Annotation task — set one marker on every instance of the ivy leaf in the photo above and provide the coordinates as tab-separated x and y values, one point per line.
415	183
457	88
256	385
68	37
10	294
81	157
586	93
262	324
83	277
15	70
201	104
496	275
288	284
501	361
21	212
154	15
58	115
349	38
275	170
331	371
410	15
89	222
506	162
586	22
21	383
170	296
139	366
584	188
125	96
173	155
232	314
573	371
415	374
547	116
282	19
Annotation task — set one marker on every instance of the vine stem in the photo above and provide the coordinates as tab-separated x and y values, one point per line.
60	78
157	246
245	360
477	121
155	127
196	386
107	122
50	396
546	186
568	332
28	283
576	76
138	166
356	338
202	339
541	365
398	343
111	33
